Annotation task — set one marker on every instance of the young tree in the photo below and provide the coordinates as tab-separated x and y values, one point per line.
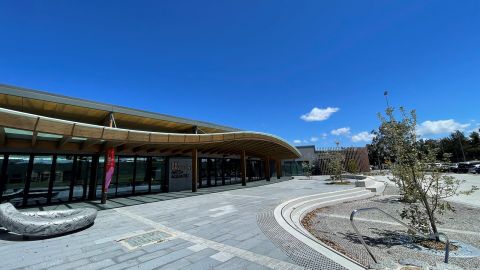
352	166
335	165
422	187
307	169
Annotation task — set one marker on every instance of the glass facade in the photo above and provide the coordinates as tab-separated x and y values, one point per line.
232	171
157	174
125	168
226	171
142	180
15	179
36	179
82	174
255	170
291	168
63	178
39	180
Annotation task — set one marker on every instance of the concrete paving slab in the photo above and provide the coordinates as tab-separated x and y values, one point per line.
230	234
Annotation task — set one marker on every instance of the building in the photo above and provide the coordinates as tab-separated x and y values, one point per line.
55	149
354	159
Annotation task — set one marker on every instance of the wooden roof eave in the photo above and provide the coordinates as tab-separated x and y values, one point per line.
228	141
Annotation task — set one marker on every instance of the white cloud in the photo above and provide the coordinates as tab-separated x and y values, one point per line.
317	114
341	131
440	127
314	139
363	136
297	141
476	128
324	135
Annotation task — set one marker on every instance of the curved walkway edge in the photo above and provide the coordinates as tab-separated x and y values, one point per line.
290	214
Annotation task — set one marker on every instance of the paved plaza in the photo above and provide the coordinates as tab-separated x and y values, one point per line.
214	229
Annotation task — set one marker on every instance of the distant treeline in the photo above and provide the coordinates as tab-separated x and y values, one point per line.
458	145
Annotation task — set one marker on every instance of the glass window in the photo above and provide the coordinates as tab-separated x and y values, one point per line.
232	171
15	179
255	170
100	176
125	175
63	178
141	176
39	180
211	172
82	177
157	173
217	171
203	173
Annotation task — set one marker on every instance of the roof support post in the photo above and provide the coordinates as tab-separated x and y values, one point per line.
223	171
278	166
243	168
194	169
3	136
267	168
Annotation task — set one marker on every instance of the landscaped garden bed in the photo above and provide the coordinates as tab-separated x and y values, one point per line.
391	242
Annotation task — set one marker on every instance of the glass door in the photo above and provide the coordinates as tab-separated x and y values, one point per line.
141	175
63	178
82	173
15	179
157	173
203	173
39	180
126	165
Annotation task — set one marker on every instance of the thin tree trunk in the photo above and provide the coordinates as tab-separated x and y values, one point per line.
424	200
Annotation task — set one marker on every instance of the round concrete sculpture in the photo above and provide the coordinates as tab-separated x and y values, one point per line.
45	223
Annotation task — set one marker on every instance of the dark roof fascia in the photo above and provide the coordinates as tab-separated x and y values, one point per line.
41	95
306	146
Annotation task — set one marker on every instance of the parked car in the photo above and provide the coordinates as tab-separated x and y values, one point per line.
464	167
475	169
453	168
442	167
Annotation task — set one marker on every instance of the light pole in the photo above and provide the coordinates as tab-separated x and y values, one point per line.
461	146
386	98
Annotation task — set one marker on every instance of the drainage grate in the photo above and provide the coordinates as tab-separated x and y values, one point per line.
296	250
145	239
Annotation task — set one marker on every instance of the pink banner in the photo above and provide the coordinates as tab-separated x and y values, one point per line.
109	167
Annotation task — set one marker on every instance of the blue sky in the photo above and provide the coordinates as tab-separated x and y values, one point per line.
256	65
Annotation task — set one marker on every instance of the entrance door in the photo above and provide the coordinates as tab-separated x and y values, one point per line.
126	166
82	173
141	175
157	174
39	180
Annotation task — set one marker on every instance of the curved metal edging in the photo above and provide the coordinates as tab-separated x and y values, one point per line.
360	237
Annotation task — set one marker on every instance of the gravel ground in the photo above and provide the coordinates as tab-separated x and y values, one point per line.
387	241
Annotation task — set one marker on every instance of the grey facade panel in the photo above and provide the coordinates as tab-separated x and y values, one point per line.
179	174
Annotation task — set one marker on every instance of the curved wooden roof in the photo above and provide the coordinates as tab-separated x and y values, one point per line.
72	135
86	111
